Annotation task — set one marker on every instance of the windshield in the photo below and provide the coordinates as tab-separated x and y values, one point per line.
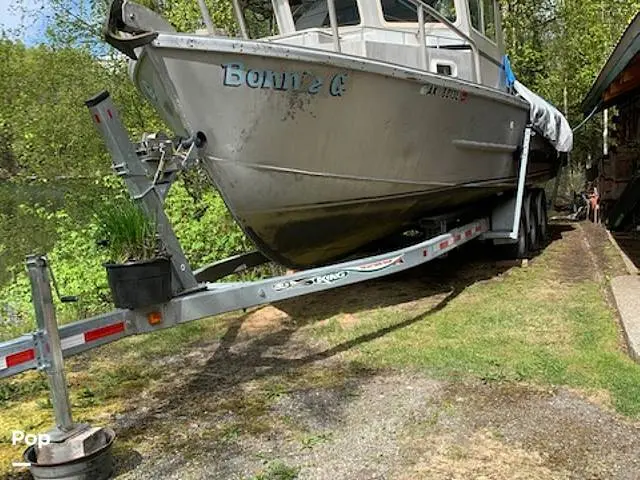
314	13
405	11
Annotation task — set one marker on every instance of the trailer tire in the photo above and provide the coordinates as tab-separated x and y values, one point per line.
543	217
519	249
532	222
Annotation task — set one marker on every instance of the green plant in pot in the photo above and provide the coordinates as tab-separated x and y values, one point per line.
138	268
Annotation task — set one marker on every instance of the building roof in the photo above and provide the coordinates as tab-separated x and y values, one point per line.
604	93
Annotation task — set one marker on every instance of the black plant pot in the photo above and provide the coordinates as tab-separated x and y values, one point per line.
139	284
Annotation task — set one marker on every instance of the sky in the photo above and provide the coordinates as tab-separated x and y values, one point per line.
28	27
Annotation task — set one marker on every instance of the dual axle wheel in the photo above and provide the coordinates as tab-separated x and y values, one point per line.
534	225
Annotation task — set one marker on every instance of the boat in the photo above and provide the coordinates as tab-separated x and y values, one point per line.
356	120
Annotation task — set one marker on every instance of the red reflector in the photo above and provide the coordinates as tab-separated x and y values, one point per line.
104	331
97	117
478	228
444	245
458	237
109	113
20	357
425	253
468	233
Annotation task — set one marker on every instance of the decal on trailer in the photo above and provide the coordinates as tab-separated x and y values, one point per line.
379	265
335	277
237	75
328	279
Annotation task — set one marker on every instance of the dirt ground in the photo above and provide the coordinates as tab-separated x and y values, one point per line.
408	427
269	397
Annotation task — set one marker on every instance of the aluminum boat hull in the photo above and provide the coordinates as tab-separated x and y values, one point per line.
318	154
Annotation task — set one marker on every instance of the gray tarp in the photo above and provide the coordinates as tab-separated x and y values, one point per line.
548	120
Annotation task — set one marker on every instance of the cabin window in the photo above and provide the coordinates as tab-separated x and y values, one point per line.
443	69
483	17
315	14
405	11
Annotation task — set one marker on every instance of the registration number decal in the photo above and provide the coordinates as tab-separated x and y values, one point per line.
444	92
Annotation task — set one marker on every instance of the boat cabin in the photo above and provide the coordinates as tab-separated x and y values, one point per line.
457	38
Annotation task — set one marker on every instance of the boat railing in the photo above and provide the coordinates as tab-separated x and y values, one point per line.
420	5
441	40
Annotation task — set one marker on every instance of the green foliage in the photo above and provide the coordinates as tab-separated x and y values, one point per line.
45	131
206	230
204	225
185	16
563	45
127	233
277	470
16	390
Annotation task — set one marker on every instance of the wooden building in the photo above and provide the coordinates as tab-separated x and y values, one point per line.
618	85
618	88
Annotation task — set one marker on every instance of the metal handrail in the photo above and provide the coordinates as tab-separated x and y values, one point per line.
424	61
406	31
333	21
438	16
421	6
237	10
206	17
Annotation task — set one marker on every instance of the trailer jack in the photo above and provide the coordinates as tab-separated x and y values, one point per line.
68	450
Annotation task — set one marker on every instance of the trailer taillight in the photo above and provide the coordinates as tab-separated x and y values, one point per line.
154	318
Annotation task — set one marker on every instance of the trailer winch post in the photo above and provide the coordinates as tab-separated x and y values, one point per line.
127	165
68	450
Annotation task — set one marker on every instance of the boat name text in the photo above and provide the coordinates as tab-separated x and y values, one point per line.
236	75
444	92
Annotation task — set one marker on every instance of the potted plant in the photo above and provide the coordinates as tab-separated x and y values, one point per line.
138	269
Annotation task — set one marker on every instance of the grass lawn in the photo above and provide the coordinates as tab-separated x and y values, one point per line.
541	324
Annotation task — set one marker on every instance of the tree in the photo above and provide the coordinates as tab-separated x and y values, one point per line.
45	130
558	44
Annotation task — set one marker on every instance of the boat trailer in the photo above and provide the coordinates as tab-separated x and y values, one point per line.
148	169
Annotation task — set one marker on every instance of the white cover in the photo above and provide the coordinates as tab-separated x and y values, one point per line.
548	120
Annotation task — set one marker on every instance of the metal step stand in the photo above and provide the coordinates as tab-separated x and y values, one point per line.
71	450
505	218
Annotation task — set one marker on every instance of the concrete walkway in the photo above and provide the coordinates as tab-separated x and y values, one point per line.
626	290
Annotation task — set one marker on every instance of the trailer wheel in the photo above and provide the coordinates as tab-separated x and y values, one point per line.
532	221
543	217
520	249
